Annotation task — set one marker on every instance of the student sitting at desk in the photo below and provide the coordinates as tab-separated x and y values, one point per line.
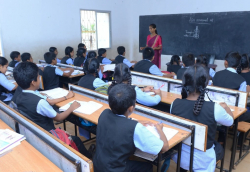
5	84
174	65
26	57
122	74
68	59
146	65
80	59
192	106
36	106
202	60
92	79
51	72
244	68
16	58
118	136
188	60
121	59
81	45
54	50
102	56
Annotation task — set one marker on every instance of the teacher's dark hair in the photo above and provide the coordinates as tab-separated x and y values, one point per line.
154	26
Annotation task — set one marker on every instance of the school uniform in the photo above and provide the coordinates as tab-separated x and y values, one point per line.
173	68
246	76
122	59
67	60
51	77
181	72
79	61
211	72
5	84
104	60
34	106
13	63
58	60
211	114
89	81
117	139
146	66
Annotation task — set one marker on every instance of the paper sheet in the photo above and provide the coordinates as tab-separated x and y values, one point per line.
150	93
55	93
109	67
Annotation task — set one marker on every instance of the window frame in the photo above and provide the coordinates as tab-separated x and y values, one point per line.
110	35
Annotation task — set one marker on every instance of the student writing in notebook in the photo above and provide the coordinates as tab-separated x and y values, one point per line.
80	59
36	106
92	79
69	54
174	64
5	84
54	50
188	60
121	57
102	56
51	72
192	106
122	74
16	58
118	136
146	65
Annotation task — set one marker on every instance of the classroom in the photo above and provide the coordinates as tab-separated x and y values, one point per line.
135	86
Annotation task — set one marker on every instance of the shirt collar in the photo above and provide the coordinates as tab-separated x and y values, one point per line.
51	65
231	69
121	115
35	92
147	60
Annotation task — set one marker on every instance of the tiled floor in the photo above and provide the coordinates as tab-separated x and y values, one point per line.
244	166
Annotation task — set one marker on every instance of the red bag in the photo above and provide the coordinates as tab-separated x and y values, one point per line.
65	137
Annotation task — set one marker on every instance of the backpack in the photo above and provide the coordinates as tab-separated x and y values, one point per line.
65	137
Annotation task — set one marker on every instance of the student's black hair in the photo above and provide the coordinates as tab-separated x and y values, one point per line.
202	59
49	56
121	73
154	26
233	60
25	57
80	52
68	50
14	54
188	59
91	66
25	73
148	53
244	62
121	97
195	79
52	49
101	51
120	50
91	54
81	45
3	61
175	58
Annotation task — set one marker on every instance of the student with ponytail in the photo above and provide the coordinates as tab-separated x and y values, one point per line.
245	71
192	106
203	60
80	59
54	50
122	74
68	59
92	79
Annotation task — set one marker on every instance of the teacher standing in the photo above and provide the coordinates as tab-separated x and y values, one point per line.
154	41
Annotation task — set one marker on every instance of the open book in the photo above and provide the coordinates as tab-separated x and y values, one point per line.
169	133
109	67
86	107
55	93
76	72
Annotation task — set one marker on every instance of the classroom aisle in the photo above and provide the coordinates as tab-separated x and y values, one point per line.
243	166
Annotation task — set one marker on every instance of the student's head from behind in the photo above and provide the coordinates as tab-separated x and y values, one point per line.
15	55
50	58
102	52
69	51
122	99
148	53
202	60
175	60
92	54
26	57
121	50
81	52
3	65
27	76
53	50
194	82
244	62
81	45
188	59
92	66
232	60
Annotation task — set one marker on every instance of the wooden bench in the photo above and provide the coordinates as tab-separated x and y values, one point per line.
243	127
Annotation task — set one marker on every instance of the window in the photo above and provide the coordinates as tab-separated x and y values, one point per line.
95	29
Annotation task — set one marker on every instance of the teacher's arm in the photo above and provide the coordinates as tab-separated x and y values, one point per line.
142	48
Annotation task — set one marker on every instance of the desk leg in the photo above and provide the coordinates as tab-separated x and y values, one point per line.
224	147
179	157
64	125
192	151
159	162
234	145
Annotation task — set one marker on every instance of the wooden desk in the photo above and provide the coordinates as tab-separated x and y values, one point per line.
25	157
74	76
182	134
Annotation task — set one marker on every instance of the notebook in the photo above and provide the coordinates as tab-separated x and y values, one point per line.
55	93
109	67
150	93
76	72
219	103
86	107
